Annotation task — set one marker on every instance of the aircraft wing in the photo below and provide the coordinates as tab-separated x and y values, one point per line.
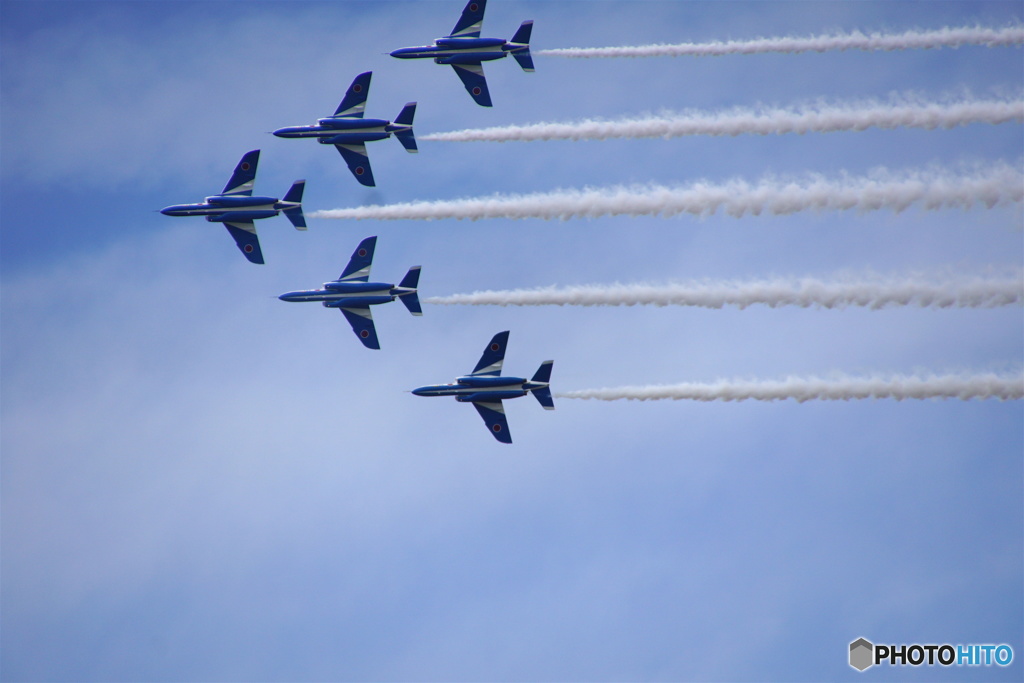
246	239
358	268
244	176
493	413
493	356
471	21
358	162
354	102
361	321
472	76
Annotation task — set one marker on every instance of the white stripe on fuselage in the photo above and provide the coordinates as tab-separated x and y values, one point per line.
436	51
463	389
212	209
329	295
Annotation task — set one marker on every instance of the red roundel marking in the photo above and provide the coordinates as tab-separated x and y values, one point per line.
494	347
248	248
357	88
360	170
477	90
474	7
245	166
364	334
362	252
496	428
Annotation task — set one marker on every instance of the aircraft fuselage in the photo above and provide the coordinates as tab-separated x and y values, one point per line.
477	388
223	208
349	294
459	50
343	130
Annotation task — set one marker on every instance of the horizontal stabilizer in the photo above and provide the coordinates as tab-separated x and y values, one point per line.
295	192
406	115
405	136
411	299
524	58
543	373
407	139
543	397
296	217
295	196
522	36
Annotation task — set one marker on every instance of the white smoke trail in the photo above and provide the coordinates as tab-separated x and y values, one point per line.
870	292
915	39
932	189
825	119
965	387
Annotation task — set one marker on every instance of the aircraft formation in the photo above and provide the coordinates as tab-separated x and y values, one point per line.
352	293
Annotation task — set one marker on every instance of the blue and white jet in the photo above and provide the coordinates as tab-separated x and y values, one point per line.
353	295
349	132
466	51
236	208
485	388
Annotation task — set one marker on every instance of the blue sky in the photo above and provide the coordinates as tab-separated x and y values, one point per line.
201	482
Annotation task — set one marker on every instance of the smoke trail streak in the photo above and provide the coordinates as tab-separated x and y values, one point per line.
945	37
933	189
759	122
965	387
874	293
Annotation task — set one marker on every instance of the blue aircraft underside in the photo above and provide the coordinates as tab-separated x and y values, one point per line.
465	50
335	138
236	208
353	295
462	43
489	382
356	287
348	131
484	396
467	59
239	216
358	301
486	388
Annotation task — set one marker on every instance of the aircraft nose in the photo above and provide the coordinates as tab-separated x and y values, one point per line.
422	391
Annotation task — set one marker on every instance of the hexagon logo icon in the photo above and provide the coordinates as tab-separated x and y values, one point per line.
862	654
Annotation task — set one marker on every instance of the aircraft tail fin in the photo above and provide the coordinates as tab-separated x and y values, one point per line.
411	299
405	136
543	395
294	195
521	46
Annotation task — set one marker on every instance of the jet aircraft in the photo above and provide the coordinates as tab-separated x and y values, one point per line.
485	388
353	295
349	131
466	51
236	208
